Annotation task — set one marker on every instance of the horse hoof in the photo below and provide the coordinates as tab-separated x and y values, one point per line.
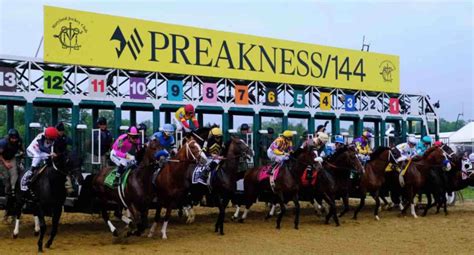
233	218
241	220
354	218
36	233
337	224
164	237
296	227
15	236
48	245
377	217
115	233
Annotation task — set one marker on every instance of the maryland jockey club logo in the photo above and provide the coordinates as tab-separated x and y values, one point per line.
69	33
134	43
386	69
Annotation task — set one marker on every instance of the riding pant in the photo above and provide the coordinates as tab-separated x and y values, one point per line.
118	160
36	155
276	158
11	176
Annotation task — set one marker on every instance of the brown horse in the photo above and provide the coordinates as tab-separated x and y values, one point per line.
374	177
417	174
342	164
223	183
174	180
286	187
138	192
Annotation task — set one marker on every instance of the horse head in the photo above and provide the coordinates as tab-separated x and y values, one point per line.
436	157
66	162
238	149
149	153
346	158
191	151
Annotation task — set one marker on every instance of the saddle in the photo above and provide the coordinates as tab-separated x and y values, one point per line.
305	181
109	179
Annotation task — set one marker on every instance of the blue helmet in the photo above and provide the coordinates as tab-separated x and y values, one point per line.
426	139
339	139
168	129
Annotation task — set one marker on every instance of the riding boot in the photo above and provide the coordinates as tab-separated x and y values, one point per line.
118	175
29	182
273	166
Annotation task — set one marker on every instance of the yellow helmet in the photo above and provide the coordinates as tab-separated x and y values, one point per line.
288	134
216	131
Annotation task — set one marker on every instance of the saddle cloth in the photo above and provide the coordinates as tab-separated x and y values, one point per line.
198	175
109	179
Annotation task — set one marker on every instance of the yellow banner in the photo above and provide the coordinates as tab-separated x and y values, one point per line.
85	38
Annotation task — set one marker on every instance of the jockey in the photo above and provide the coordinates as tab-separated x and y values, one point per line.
407	150
339	142
10	146
213	149
166	140
363	145
438	144
186	114
423	145
280	149
104	138
123	151
320	141
62	136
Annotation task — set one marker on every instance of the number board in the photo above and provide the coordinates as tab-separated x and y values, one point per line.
97	85
349	102
241	94
299	100
414	107
53	82
373	105
209	93
7	79
325	101
271	97
175	90
394	106
137	88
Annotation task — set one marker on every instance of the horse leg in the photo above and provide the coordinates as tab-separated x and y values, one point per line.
165	222
345	200
105	217
361	205
155	221
236	214
297	210
332	209
272	208
136	219
55	222
412	204
376	196
42	230
428	204
222	207
244	215
37	225
282	212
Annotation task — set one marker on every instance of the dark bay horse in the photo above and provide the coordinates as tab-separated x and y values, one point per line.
417	174
223	183
374	177
287	183
341	164
138	192
48	187
173	182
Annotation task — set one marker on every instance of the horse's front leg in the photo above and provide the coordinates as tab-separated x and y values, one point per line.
155	221
297	211
165	222
42	229
345	201
55	222
282	212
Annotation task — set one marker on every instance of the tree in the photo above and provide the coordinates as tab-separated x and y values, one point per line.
450	126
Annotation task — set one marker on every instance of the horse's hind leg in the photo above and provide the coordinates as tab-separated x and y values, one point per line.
297	210
220	220
428	204
105	217
345	200
376	196
282	212
42	230
246	211
55	222
332	209
165	222
155	221
361	205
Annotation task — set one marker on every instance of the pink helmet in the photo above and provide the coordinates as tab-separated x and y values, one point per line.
133	131
189	108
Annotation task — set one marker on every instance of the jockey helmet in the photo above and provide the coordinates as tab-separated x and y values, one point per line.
133	131
168	129
438	143
13	133
142	126
339	139
216	131
244	126
412	140
426	139
51	133
101	121
288	134
323	137
189	108
270	131
367	134
471	157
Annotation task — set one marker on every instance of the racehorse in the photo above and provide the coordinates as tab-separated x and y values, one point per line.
174	180
50	192
137	193
342	164
417	174
223	183
374	177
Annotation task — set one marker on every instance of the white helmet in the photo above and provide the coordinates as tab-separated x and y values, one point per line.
471	157
412	140
323	137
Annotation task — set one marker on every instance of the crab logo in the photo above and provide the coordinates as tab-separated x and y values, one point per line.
69	31
386	69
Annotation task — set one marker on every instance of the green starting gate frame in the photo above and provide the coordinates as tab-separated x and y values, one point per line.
291	100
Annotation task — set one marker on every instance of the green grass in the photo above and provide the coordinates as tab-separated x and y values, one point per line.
468	193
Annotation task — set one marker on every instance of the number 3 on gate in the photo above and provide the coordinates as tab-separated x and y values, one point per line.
175	90
241	94
53	82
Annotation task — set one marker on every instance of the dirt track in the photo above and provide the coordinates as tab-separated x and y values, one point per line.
435	234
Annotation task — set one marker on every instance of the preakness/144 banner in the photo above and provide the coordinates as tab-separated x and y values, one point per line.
85	38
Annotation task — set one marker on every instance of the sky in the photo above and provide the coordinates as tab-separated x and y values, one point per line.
434	39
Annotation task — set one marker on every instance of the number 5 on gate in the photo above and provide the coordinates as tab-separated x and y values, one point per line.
241	94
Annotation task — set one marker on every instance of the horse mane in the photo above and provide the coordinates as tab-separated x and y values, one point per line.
375	154
338	152
428	152
226	148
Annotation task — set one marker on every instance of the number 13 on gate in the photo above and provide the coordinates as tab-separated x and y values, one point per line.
241	94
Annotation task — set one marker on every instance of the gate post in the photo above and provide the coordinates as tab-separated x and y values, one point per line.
285	122
225	124
377	133
311	125
335	126
54	116
117	120
74	122
133	117
156	120
256	137
28	118
10	118
404	131
382	133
